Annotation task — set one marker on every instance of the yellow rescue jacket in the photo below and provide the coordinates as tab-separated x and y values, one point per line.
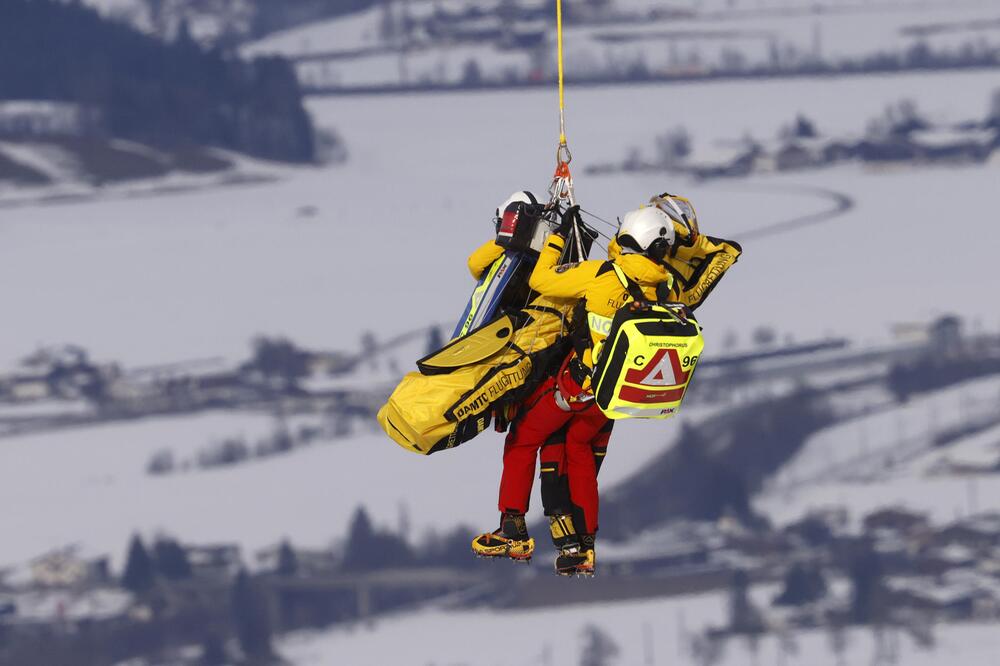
595	282
697	267
691	273
483	258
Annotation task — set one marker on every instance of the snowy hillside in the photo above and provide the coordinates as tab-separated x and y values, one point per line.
889	459
207	22
644	632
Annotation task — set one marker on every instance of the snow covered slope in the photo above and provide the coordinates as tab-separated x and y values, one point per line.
644	632
887	458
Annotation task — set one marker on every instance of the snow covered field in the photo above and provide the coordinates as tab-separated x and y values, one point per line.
645	632
89	487
717	32
861	464
147	280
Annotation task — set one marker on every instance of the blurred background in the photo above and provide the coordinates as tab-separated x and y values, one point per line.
228	227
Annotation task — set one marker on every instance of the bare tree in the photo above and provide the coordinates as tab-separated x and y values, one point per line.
839	640
708	649
599	649
921	630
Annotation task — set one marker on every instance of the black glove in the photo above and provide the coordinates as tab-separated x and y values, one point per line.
535	210
571	215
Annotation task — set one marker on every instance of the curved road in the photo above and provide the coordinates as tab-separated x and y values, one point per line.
838	204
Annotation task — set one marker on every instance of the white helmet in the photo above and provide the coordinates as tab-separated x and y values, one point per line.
524	197
647	230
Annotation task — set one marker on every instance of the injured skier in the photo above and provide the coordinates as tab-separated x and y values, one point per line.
503	344
657	247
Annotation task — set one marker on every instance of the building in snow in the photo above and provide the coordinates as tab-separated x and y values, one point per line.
65	567
214	561
896	519
31	119
728	160
948	144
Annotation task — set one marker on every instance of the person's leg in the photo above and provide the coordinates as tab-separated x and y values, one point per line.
564	517
586	444
540	418
555	491
599	445
552	472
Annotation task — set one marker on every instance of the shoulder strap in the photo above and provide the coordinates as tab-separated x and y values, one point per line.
635	291
633	288
663	292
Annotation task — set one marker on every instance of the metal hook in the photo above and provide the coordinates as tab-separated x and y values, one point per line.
563	154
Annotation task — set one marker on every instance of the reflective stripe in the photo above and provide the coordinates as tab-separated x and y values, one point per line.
482	295
621	276
599	324
639	412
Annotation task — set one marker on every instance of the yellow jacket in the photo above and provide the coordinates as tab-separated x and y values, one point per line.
698	267
483	258
691	274
594	281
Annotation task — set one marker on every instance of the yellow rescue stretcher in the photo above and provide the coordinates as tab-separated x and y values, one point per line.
450	399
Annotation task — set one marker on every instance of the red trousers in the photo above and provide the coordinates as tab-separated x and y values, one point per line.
571	444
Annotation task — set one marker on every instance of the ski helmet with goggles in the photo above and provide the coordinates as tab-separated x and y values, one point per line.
512	206
681	211
648	231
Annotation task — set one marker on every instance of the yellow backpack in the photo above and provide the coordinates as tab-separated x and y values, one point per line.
646	363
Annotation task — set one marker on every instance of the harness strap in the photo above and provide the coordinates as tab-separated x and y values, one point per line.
635	291
580	329
631	286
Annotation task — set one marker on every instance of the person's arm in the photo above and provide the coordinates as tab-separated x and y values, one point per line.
483	258
565	281
712	257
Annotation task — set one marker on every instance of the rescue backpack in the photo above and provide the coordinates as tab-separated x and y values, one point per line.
645	365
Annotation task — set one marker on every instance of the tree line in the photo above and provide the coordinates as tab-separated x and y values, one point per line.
143	89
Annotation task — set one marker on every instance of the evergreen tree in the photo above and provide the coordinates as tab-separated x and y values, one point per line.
867	591
213	651
803	585
368	550
288	562
171	559
360	541
472	75
804	128
140	573
134	86
281	360
744	617
599	649
673	147
250	618
435	339
993	117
